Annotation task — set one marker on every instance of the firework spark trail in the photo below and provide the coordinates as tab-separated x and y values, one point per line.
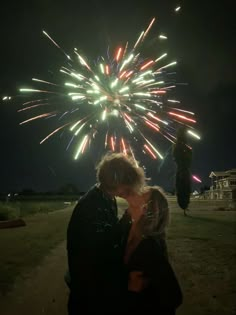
53	41
37	117
52	133
196	178
128	95
32	106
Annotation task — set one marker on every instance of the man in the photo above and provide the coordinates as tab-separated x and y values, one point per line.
93	238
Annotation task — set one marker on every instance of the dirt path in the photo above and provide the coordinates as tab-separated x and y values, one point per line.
42	291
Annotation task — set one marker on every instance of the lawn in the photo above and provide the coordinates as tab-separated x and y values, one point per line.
201	246
202	251
15	209
23	248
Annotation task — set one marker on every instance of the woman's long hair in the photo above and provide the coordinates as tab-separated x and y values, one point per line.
156	216
152	223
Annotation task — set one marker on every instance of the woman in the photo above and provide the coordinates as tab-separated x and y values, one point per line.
152	284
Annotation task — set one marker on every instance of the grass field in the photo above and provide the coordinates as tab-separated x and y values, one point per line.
202	251
24	247
201	246
15	209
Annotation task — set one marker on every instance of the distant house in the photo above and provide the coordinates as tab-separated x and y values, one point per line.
223	185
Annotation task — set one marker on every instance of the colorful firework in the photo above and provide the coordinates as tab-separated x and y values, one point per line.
125	98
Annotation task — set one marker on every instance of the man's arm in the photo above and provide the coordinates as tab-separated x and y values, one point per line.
90	242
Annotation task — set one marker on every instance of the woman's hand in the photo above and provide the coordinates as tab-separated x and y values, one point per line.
137	282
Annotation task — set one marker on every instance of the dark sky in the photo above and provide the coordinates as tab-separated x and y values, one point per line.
201	37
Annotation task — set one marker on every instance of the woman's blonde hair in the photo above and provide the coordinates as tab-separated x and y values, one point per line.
152	223
156	217
117	169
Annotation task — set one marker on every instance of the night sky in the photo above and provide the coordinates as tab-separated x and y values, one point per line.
201	38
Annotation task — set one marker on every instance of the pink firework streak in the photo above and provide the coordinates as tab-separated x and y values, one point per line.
196	179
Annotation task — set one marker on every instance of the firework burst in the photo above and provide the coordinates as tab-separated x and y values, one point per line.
125	97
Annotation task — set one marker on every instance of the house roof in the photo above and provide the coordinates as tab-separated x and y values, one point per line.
221	173
216	174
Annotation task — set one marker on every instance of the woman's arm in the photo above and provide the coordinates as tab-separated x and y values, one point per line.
137	282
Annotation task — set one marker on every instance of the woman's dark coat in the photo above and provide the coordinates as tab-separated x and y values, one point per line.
163	294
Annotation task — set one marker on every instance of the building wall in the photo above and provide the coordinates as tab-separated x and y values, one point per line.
223	187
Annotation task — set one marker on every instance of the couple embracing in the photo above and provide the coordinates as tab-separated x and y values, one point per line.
120	266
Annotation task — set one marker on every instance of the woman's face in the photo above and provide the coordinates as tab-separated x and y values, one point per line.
138	200
122	191
135	199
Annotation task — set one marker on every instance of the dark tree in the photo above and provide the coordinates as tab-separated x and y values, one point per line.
182	154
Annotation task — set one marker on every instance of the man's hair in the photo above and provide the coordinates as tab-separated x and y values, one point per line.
117	169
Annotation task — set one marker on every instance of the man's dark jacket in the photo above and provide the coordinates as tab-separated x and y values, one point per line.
93	254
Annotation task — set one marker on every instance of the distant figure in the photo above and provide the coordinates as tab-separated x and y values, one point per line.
96	279
152	285
182	154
